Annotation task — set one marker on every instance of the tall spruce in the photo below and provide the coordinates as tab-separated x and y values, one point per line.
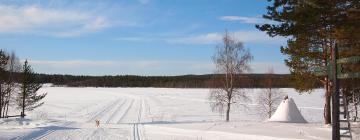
29	99
311	26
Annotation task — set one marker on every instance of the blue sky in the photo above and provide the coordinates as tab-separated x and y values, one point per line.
140	37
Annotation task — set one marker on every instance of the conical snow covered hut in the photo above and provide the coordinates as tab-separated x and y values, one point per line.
287	112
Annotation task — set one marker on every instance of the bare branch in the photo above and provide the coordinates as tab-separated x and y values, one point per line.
231	59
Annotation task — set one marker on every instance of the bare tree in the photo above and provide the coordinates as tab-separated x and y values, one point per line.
269	97
353	100
13	67
3	62
231	59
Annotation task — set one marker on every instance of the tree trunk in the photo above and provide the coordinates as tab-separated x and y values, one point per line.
355	102
23	106
270	101
6	109
5	103
1	103
356	112
228	112
327	107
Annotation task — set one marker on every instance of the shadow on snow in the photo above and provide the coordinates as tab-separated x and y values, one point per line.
44	131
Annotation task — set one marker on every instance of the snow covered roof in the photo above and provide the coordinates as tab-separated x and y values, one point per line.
287	112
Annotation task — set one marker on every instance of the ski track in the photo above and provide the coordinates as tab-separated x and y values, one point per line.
136	133
118	103
118	109
45	134
106	108
125	112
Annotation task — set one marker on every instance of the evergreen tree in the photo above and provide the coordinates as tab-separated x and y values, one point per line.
313	28
28	98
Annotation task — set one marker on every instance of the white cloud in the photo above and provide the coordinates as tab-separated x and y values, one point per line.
95	25
209	38
49	21
72	63
142	67
245	36
263	67
248	36
250	20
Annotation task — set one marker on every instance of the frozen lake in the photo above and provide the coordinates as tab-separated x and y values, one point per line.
158	114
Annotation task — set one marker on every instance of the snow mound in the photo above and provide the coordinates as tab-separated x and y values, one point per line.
287	112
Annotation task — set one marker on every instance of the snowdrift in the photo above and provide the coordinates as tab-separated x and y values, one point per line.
287	112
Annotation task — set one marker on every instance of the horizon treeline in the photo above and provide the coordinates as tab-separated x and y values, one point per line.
183	81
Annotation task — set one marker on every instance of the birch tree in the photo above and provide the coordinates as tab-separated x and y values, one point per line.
3	62
269	97
231	60
13	67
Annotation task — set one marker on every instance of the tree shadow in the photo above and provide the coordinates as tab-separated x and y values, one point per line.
44	131
170	122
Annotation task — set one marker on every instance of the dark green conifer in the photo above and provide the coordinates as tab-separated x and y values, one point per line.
28	96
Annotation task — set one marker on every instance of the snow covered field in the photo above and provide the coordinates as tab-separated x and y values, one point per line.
158	114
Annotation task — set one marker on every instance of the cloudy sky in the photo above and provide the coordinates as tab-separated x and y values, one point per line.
141	37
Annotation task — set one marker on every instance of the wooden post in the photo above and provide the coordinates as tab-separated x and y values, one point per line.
335	97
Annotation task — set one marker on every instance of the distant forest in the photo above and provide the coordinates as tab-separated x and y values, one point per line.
184	81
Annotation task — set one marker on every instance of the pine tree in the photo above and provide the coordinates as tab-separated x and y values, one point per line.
311	26
28	98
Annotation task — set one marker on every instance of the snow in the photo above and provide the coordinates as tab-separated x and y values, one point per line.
287	112
158	114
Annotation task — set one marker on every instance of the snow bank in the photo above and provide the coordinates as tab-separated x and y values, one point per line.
22	123
287	112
